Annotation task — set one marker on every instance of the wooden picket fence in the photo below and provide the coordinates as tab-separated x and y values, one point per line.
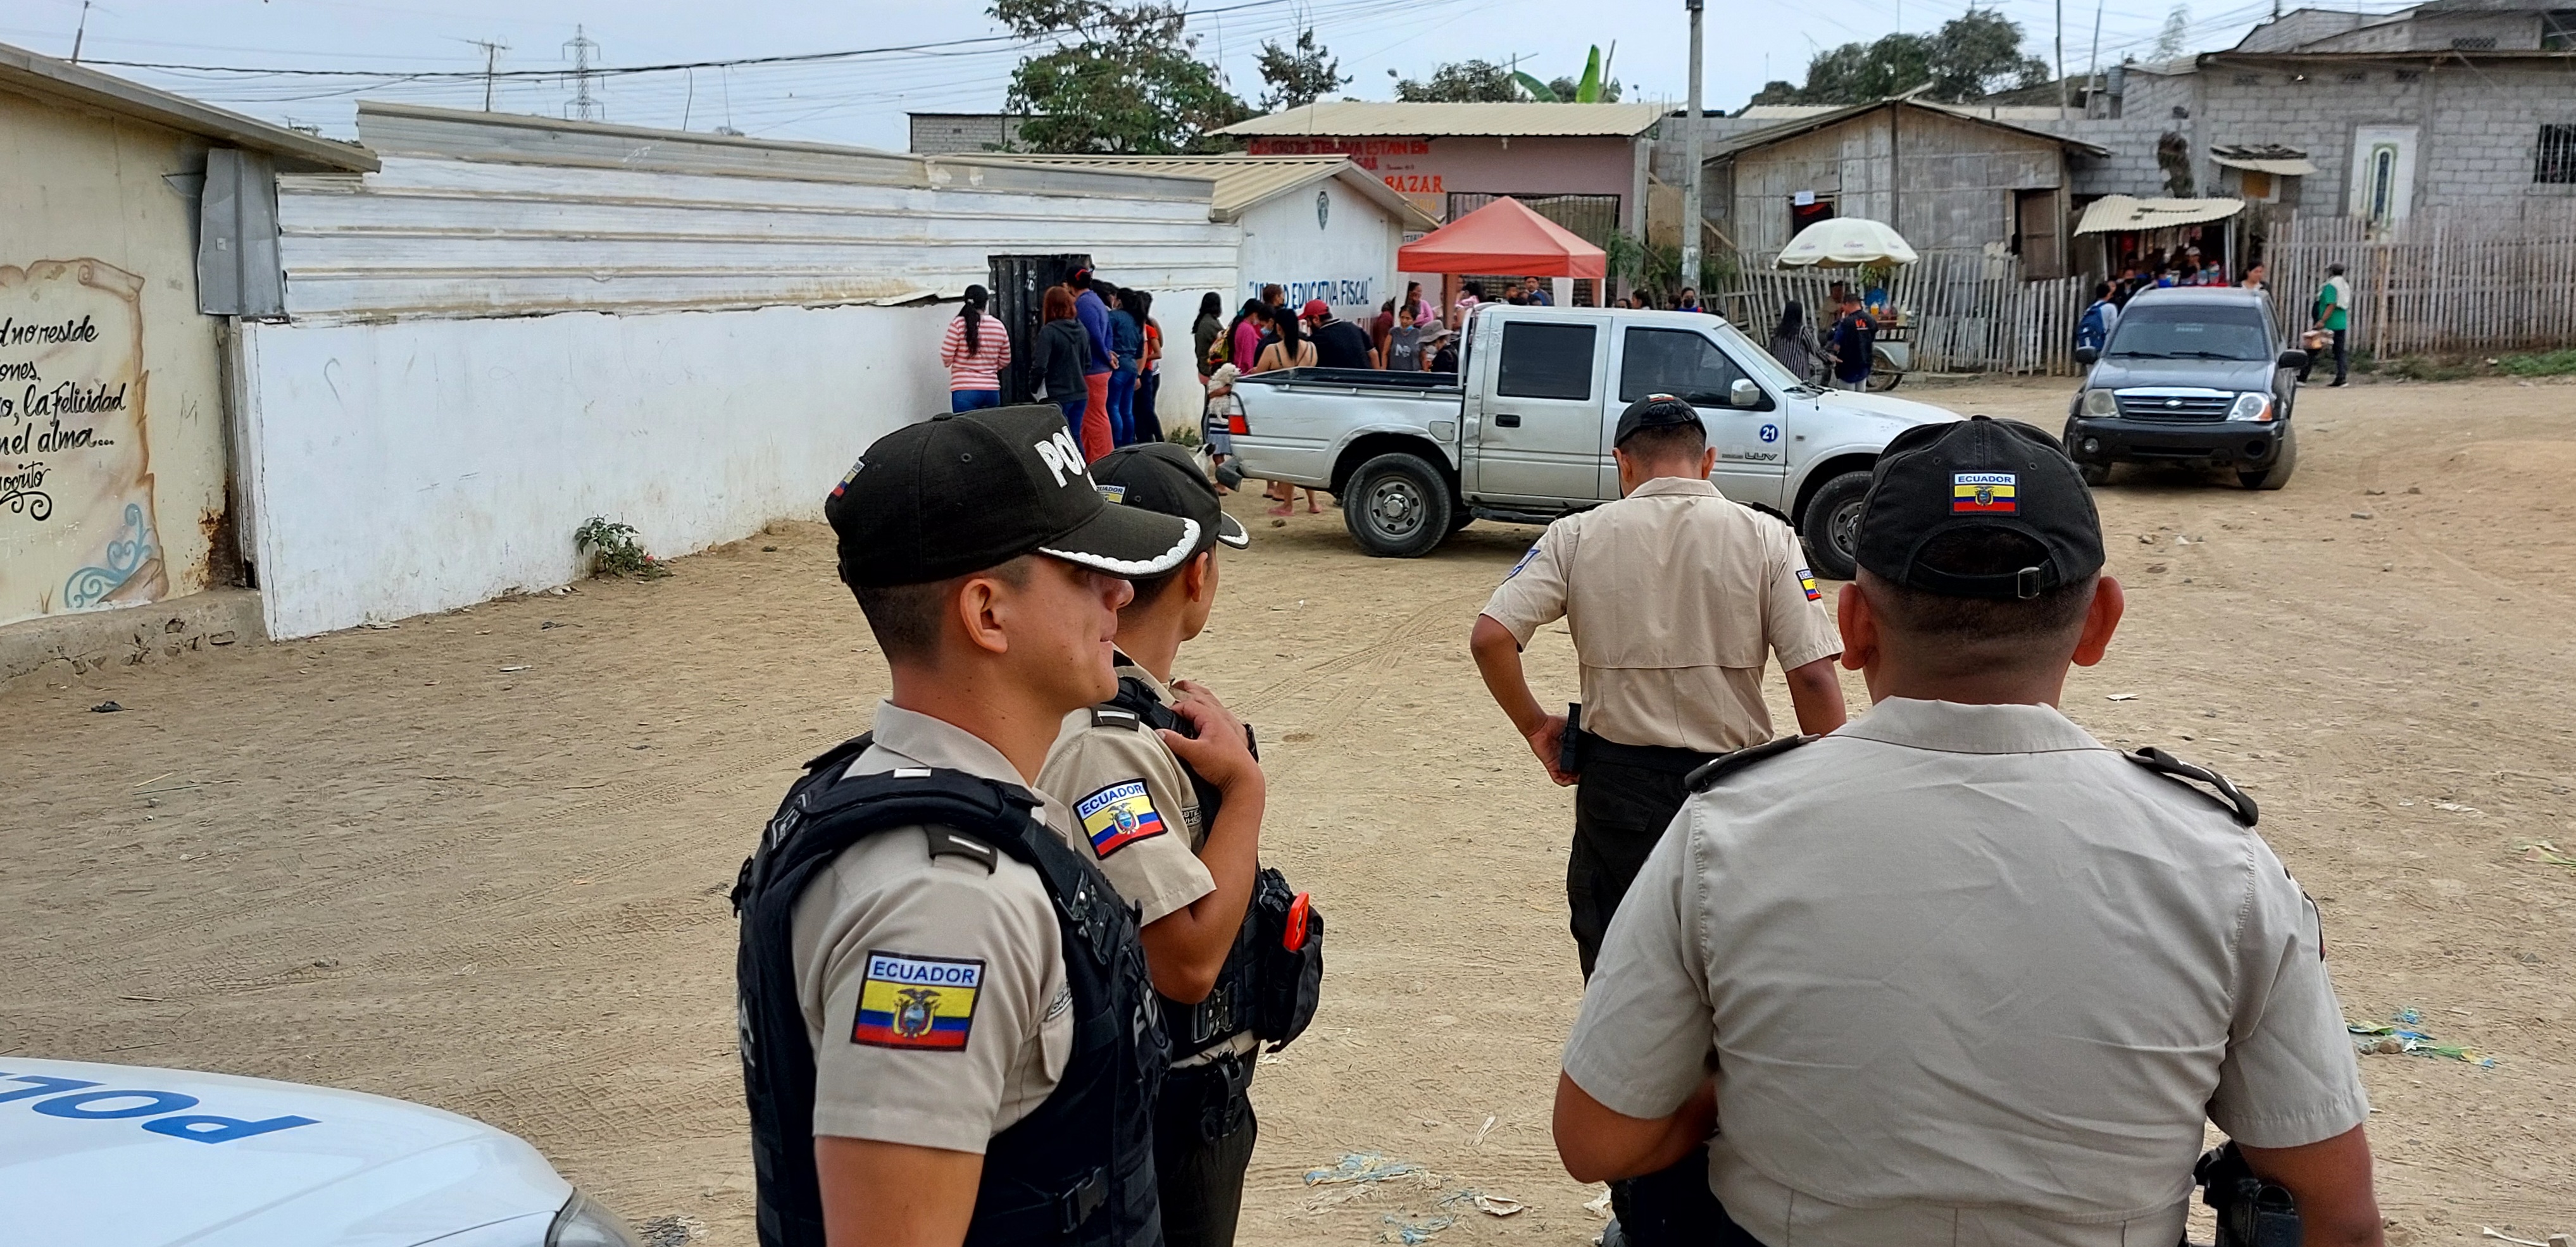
2443	281
1963	311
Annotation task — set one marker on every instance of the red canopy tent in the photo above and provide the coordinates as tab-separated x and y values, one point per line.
1503	237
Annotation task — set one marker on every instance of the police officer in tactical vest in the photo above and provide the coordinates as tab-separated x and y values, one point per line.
1958	972
948	1030
1676	597
1164	787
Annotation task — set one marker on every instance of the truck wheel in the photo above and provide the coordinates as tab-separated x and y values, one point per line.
1461	518
1397	506
2283	464
2094	473
1831	525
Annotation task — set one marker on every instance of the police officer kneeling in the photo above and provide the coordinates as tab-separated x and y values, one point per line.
1962	972
948	1032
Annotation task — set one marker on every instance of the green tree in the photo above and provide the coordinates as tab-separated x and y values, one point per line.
1464	82
1123	76
1970	57
1300	75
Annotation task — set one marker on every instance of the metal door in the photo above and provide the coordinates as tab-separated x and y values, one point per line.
1019	285
1751	442
1539	435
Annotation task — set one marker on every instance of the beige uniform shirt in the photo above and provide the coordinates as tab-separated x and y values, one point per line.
1674	594
1970	977
887	925
1135	812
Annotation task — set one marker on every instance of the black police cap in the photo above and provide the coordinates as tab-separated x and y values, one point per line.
960	493
1655	411
1165	479
1978	474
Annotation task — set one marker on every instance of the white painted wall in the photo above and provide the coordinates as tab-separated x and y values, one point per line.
486	349
1347	260
418	466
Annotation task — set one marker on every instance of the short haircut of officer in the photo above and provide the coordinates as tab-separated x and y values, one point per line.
1670	441
1991	623
906	618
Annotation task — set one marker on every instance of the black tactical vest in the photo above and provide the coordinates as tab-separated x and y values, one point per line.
1080	1169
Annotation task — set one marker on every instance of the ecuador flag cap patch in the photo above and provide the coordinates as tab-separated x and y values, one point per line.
1117	816
1982	493
917	1002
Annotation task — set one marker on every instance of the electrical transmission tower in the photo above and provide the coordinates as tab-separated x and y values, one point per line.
584	105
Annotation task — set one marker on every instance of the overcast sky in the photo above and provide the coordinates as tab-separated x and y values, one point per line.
861	100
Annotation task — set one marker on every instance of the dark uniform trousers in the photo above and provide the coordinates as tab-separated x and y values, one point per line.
1626	797
1203	1141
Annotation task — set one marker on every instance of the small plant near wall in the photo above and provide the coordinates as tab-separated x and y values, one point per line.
615	552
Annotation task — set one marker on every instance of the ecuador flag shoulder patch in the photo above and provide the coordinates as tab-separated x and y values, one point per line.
1117	816
1988	493
910	1001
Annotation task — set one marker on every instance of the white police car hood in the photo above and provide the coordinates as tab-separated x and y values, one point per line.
122	1156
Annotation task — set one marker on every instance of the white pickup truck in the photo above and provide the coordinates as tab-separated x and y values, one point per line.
1522	432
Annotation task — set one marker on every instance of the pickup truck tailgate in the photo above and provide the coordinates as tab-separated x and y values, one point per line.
1298	422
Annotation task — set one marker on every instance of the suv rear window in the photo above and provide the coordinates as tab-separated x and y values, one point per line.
2187	331
1542	360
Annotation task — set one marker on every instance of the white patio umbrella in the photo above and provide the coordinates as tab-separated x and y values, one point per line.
1847	242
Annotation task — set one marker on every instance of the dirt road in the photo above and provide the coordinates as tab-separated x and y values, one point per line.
480	860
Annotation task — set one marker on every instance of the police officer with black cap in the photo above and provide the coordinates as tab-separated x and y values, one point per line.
1676	597
1169	800
1958	972
948	1030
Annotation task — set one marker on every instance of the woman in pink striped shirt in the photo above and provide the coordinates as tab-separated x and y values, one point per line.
976	351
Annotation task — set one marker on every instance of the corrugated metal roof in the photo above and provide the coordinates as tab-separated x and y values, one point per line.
37	74
1368	118
1243	181
1793	128
1786	112
2113	213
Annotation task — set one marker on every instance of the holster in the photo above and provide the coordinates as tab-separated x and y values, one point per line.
1206	1102
2251	1212
1569	747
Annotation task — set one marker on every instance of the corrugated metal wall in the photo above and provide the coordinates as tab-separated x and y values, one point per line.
480	215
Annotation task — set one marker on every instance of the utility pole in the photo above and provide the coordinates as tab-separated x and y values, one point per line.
491	62
1691	177
2061	60
584	105
81	33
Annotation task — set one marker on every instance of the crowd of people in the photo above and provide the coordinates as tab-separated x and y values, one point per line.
1098	355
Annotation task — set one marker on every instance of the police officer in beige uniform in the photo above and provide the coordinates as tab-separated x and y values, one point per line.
1675	597
1177	841
1958	972
948	1033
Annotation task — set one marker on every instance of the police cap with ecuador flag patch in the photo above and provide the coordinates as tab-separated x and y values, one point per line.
959	493
1978	473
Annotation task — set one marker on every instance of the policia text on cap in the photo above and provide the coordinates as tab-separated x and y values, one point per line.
948	1028
1958	972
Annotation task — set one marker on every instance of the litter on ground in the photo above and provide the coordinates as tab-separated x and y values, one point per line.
1413	1233
1362	1167
2405	1034
1599	1205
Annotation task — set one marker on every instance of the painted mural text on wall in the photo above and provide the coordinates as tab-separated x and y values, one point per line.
1344	292
1395	161
77	528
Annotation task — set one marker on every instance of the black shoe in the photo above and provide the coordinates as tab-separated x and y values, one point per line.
2334	384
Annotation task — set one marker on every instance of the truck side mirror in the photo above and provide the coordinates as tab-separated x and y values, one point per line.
1744	393
2294	359
2086	355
